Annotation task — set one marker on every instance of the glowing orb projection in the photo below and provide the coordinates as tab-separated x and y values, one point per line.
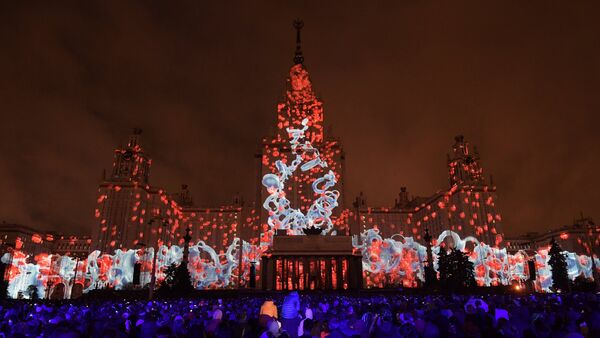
399	260
281	213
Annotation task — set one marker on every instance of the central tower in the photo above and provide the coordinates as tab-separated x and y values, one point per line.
301	102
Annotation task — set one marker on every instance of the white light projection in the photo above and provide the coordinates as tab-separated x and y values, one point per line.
281	214
23	275
398	258
213	273
390	256
402	257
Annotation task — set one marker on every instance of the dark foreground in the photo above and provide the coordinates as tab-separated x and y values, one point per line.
333	315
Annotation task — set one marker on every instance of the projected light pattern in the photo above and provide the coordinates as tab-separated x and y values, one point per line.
301	103
281	214
208	269
398	260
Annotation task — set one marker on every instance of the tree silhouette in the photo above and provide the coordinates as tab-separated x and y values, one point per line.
443	265
456	270
33	293
177	281
166	285
558	265
183	279
430	275
3	283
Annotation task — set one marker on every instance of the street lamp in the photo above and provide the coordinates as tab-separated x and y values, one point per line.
430	274
163	222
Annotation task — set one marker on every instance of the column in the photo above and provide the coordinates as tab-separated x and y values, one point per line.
328	274
338	274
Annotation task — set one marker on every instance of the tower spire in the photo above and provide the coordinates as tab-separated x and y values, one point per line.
298	57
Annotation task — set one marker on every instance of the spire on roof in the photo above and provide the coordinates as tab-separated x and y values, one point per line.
298	57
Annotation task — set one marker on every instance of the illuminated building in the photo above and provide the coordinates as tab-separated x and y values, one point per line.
131	213
578	237
467	207
127	203
72	246
27	239
301	102
311	262
32	241
216	226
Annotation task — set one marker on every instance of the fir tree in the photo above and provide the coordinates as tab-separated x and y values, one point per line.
3	283
430	275
183	279
456	270
177	281
558	265
466	269
170	275
167	284
3	289
443	265
33	293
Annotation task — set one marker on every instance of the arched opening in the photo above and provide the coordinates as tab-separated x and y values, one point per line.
77	291
58	292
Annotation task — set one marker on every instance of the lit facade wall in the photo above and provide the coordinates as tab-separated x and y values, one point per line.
468	207
582	237
130	213
33	242
301	103
215	226
72	246
26	239
124	215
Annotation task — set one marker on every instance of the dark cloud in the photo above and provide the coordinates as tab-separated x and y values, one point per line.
399	80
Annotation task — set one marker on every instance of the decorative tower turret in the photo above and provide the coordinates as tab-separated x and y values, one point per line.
463	165
301	103
126	202
131	164
471	200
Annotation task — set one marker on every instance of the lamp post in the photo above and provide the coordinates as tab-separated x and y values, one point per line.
430	275
163	222
240	261
74	277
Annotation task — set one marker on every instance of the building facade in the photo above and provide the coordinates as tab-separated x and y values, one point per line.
128	203
301	103
582	237
33	242
467	206
27	239
132	213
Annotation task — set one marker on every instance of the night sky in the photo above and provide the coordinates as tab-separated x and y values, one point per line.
519	79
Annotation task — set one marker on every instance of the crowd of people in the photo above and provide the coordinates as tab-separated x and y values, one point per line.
319	315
